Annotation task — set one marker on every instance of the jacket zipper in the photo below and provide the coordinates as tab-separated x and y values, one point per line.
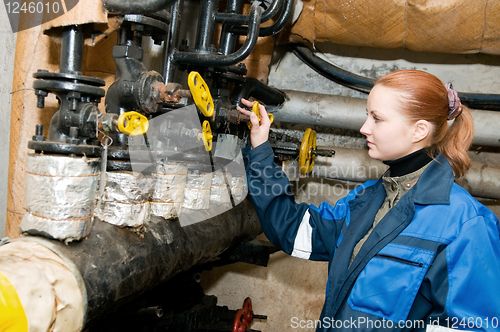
401	260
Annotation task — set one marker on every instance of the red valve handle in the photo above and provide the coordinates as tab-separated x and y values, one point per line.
244	317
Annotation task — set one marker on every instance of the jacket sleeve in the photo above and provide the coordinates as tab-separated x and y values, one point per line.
298	229
473	264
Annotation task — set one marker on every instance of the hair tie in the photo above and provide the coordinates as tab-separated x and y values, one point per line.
454	104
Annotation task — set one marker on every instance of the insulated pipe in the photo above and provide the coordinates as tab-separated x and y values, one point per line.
349	165
114	265
364	84
350	113
122	7
482	179
226	60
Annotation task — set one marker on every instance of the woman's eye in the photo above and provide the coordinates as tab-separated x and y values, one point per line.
375	118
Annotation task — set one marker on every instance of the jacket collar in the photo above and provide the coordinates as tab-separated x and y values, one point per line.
435	183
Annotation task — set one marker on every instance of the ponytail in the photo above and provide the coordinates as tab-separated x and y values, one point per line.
424	97
457	141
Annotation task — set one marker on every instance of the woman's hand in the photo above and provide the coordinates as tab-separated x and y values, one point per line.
260	130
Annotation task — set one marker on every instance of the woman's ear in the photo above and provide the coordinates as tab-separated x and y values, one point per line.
422	129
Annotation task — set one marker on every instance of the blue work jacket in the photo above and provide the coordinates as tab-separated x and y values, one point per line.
434	259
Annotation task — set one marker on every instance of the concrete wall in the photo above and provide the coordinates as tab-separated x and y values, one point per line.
7	51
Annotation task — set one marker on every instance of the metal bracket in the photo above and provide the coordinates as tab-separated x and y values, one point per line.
3	241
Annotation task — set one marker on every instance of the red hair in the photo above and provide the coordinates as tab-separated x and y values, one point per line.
424	97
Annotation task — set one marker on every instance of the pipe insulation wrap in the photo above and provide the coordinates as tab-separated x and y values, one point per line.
197	192
350	113
124	214
60	195
239	189
125	200
220	191
238	186
51	295
448	26
169	183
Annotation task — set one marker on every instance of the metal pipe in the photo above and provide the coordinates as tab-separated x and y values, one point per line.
122	7
349	165
226	60
334	73
228	39
206	25
234	18
482	101
350	113
71	50
168	69
364	84
283	19
252	87
482	179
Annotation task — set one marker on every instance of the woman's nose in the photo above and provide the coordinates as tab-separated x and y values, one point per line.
365	130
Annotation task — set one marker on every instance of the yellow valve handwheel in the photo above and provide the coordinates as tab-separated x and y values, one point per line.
207	135
201	94
306	155
255	109
13	317
133	123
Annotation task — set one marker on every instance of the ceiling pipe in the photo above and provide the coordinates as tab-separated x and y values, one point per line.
225	60
281	21
364	84
332	72
237	19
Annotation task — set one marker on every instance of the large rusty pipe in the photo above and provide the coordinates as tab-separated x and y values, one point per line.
114	265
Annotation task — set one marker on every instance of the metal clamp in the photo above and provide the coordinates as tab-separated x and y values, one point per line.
3	241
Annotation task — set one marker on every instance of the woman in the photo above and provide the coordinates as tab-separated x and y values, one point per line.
409	250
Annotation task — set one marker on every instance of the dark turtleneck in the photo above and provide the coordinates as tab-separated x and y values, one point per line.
409	163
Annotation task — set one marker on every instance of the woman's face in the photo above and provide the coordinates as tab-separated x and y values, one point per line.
388	132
